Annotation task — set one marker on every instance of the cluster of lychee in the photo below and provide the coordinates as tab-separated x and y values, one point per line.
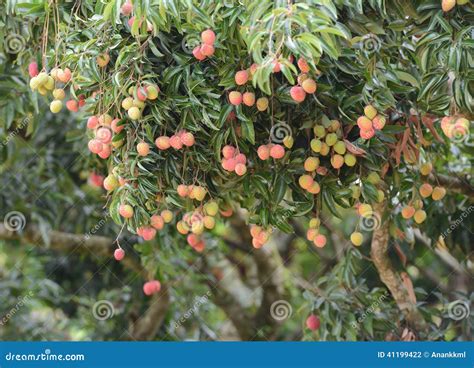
455	126
328	141
44	83
198	220
414	209
259	236
247	98
177	141
370	122
233	160
104	126
313	233
135	103
305	83
275	151
206	48
196	192
157	221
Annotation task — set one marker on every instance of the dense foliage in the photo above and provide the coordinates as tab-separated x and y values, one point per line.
298	111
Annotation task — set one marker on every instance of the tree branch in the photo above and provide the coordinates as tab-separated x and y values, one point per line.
453	184
393	281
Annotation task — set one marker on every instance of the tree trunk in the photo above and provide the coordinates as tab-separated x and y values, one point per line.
393	281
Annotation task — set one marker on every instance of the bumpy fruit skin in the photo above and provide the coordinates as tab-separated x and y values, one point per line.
297	93
314	188
350	160
72	105
313	322
364	123
248	98
370	112
311	164
288	141
56	106
126	8
408	212
419	216
277	152
305	181
126	211
59	94
316	145
426	190
167	216
134	113
235	98
262	104
208	37
303	65
320	240
143	149
102	60
163	142
228	151
314	223
119	254
111	183
331	139
438	193
340	147
379	122
157	222
241	77
152	92
337	161
198	54
33	69
367	134
95	146
64	75
240	169
188	139
207	50
357	238
309	86
263	152
151	287
447	5
211	208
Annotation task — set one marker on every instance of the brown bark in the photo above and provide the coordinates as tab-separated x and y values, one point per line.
147	326
388	275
